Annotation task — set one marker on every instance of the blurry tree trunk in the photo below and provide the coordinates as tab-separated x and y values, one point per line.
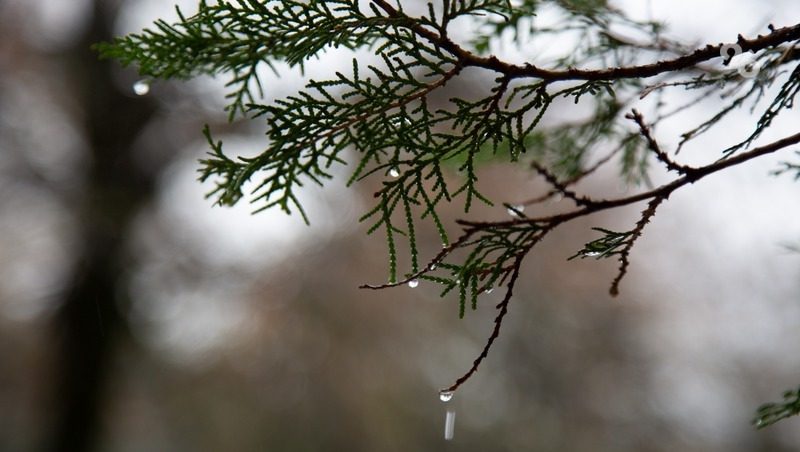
89	323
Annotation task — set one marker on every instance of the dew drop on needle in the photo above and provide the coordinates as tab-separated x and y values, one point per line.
516	210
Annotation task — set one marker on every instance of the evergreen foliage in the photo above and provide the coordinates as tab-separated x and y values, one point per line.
382	112
770	413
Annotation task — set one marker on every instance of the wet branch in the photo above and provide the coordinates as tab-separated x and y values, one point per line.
776	37
547	224
647	215
654	146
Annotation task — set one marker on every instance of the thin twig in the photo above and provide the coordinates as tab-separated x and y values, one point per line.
560	187
654	146
647	215
498	322
690	178
575	179
468	233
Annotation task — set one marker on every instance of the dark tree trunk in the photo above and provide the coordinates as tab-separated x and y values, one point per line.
89	323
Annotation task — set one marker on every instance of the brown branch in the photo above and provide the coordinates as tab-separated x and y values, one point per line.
656	197
664	190
573	180
498	322
776	37
560	187
688	175
502	306
647	215
654	146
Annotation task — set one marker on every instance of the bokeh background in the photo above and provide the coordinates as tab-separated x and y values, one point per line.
136	317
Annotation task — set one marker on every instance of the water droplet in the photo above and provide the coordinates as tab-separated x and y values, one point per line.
516	210
432	267
490	289
445	395
141	87
413	283
592	254
397	120
449	425
394	172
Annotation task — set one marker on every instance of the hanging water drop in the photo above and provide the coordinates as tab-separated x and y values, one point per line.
141	87
489	289
394	172
432	267
413	283
449	425
592	254
445	395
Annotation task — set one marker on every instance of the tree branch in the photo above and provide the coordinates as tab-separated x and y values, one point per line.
775	37
647	215
693	176
654	146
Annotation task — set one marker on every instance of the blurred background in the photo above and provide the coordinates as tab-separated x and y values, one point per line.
134	316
